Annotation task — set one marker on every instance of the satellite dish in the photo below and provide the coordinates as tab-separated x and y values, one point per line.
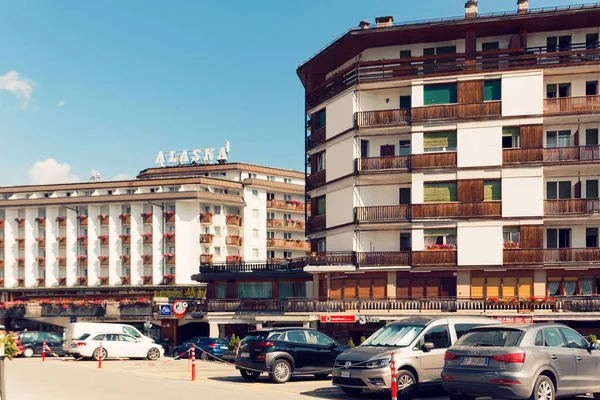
95	176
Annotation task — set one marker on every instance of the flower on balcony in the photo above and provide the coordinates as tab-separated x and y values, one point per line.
205	255
60	238
39	238
61	281
169	235
1	220
534	299
147	278
19	259
445	246
103	279
293	202
82	258
61	218
234	258
147	235
206	214
124	257
81	279
40	259
20	219
40	219
169	255
40	280
81	217
511	245
134	302
146	214
124	236
103	237
169	277
146	256
124	216
81	237
169	213
125	279
101	216
61	258
102	258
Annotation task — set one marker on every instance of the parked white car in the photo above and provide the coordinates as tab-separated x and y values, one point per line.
114	345
77	329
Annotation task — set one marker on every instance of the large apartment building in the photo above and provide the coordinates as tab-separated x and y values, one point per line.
456	158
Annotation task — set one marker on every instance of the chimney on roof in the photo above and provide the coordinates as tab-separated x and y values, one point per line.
364	24
522	6
384	21
471	9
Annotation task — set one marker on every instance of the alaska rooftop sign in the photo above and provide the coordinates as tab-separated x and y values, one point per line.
197	156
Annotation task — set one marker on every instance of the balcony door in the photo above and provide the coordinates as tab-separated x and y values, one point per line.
405	148
558	238
591	237
591	137
405	244
364	148
404	196
405	102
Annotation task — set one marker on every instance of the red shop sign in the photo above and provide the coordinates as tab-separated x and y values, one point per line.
338	318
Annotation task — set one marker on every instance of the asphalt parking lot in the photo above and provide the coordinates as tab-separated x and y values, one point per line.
55	379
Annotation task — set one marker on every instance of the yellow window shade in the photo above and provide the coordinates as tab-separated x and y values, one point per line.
525	286
477	285
509	286
439	139
492	190
492	287
439	192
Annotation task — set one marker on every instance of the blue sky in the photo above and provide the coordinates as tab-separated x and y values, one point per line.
107	84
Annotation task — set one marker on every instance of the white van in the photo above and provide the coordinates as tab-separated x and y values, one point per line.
76	329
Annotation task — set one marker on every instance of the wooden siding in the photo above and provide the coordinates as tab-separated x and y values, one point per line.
470	92
457	210
532	236
433	160
532	136
571	206
457	111
431	257
470	190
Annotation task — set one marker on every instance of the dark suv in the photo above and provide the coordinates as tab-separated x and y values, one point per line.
283	352
33	342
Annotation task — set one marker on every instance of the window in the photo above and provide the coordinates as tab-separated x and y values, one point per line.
255	194
554	90
558	190
364	148
553	338
405	54
591	237
319	338
287	254
591	88
405	148
321	205
591	189
405	102
217	231
270	178
558	238
287	235
404	195
206	250
591	137
320	161
558	139
492	190
287	197
217	251
439	192
97	337
255	290
252	176
287	217
492	90
217	210
296	337
439	336
127	338
130	331
321	245
440	94
270	254
574	339
255	253
439	141
287	180
558	43
218	191
321	118
270	235
255	233
461	329
539	339
438	237
497	337
405	241
270	196
511	235
591	41
511	138
489	46
255	213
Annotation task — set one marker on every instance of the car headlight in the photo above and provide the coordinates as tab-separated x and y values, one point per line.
385	362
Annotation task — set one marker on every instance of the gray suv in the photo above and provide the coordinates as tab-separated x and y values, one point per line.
540	361
418	345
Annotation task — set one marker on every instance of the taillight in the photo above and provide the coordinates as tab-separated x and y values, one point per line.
81	344
265	344
449	356
511	358
505	382
212	346
447	377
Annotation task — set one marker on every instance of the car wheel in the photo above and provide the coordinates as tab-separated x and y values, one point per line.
452	396
406	384
321	376
543	389
249	375
153	354
351	391
204	356
28	352
281	371
96	355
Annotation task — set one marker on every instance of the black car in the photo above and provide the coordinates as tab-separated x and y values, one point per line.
206	348
283	352
33	342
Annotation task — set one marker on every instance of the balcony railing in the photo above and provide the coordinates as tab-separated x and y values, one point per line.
206	238
295	264
456	111
288	244
523	256
287	205
517	156
457	210
434	257
572	105
233	220
384	258
316	138
365	119
233	240
450	64
382	213
572	255
383	163
552	155
285	224
317	223
571	206
206	259
331	258
433	160
315	179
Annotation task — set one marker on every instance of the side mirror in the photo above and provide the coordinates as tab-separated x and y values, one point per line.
333	345
594	346
427	346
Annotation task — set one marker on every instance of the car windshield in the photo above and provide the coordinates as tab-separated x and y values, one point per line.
491	337
394	335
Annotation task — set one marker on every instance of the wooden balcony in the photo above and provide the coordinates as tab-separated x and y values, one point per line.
457	111
147	259
206	259
518	156
233	220
434	257
206	238
388	163
571	206
572	255
316	138
147	239
331	258
366	119
233	240
384	258
20	243
206	218
317	223
523	256
552	155
457	210
288	244
433	160
315	180
289	205
572	105
104	219
382	213
285	224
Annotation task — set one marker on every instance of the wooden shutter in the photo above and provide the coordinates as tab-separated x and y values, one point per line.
525	287
417	288
439	139
532	136
335	289
470	190
509	287
432	289
492	190
439	192
532	236
577	190
323	289
492	287
470	92
350	288
364	288
402	288
379	288
477	288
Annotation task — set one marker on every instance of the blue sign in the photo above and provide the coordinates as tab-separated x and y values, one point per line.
165	310
73	319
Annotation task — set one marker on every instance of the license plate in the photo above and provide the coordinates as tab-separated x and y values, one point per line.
474	361
245	355
345	374
224	348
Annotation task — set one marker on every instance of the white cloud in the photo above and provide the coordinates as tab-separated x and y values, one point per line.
60	103
21	87
123	176
50	171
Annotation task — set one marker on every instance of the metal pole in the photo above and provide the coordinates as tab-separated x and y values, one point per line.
2	379
193	355
394	383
